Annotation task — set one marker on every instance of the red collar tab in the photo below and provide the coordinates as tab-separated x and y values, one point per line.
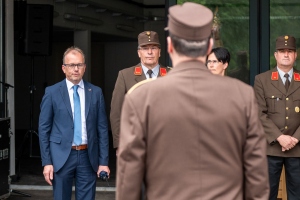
138	71
162	71
296	77
274	76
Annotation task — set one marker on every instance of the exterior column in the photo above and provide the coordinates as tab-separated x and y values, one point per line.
9	70
82	39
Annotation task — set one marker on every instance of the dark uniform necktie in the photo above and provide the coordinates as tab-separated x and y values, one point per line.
77	116
287	81
150	73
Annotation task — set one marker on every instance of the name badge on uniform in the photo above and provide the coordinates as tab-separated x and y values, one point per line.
296	109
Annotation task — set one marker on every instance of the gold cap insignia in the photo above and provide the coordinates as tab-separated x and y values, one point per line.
296	109
286	37
148	33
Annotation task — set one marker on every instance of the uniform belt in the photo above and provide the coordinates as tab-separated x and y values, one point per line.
80	147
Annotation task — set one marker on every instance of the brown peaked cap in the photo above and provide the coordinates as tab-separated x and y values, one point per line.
286	42
148	37
190	21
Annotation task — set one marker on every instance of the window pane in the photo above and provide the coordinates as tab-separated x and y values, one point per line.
284	20
232	20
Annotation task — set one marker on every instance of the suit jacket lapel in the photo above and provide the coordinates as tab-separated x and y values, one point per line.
278	83
88	95
65	96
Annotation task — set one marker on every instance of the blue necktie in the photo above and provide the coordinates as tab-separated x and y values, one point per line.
77	116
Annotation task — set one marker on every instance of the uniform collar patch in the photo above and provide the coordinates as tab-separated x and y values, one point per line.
138	71
274	76
162	71
296	76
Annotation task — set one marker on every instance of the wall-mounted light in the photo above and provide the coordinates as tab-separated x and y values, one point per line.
125	27
130	17
116	14
82	19
143	20
101	10
158	19
83	5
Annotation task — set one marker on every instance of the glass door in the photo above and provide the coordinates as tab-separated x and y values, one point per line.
231	24
284	20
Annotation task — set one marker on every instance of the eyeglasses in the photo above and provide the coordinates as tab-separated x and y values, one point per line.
147	48
212	61
72	65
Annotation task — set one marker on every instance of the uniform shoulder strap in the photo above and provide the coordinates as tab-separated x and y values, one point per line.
139	84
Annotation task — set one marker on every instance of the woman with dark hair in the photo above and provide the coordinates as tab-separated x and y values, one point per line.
218	60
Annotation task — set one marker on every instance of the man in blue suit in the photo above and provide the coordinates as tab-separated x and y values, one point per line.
74	144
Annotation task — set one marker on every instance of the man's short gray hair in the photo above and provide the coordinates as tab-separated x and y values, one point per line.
190	48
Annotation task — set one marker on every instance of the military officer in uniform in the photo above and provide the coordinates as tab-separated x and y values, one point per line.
149	67
207	141
278	96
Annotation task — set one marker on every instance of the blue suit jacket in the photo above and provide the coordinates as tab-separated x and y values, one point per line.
56	126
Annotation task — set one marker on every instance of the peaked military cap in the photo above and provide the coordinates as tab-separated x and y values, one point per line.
286	42
148	37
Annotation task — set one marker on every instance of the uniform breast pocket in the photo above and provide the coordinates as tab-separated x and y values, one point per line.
296	104
273	101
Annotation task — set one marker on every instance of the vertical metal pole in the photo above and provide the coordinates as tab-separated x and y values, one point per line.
265	35
254	39
31	90
168	4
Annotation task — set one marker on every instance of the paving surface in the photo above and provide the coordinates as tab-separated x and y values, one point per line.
30	181
47	195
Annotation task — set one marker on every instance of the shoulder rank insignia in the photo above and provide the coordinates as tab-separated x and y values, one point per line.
162	71
138	70
296	77
274	76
